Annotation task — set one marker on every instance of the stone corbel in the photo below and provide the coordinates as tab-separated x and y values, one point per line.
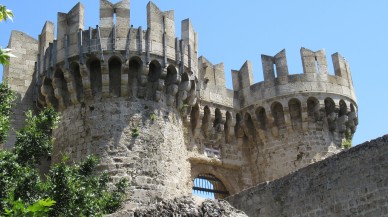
105	79
71	85
342	123
287	119
85	74
124	79
58	93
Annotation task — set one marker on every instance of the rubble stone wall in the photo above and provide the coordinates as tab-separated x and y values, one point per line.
352	183
135	139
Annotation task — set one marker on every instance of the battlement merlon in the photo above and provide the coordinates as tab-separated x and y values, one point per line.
211	81
108	13
242	78
211	75
314	62
46	37
279	60
315	78
114	33
68	26
341	68
189	36
162	25
189	46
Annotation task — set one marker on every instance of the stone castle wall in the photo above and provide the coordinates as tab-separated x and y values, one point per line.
135	139
299	129
351	183
19	75
107	81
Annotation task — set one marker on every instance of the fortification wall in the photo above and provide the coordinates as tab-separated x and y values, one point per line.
125	95
352	183
300	118
19	75
108	80
114	33
135	139
278	82
299	129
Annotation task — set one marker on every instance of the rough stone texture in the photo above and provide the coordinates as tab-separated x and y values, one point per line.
112	82
154	161
20	77
185	207
352	183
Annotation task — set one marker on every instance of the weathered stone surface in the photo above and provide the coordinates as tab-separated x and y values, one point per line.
352	183
185	207
135	139
20	76
155	113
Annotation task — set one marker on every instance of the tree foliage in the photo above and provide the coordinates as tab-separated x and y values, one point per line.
80	192
34	140
68	189
6	99
38	209
74	190
5	14
5	54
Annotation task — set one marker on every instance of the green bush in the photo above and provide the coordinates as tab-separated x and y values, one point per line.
346	143
68	189
75	190
34	140
38	209
6	99
78	191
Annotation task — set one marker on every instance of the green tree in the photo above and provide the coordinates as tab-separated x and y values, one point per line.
76	188
5	54
34	140
80	192
6	99
68	189
5	14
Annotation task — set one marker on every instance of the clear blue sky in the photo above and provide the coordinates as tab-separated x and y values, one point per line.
235	31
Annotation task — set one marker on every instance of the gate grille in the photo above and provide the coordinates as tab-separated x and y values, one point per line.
208	184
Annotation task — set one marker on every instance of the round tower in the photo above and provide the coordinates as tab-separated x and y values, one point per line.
123	94
153	112
290	121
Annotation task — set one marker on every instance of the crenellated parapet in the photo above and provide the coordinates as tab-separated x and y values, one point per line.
116	60
142	100
286	98
278	82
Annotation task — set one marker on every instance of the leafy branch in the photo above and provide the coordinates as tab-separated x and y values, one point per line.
5	54
5	14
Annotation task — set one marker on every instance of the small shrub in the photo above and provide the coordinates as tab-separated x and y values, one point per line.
135	132
68	190
346	143
33	141
39	208
153	117
184	109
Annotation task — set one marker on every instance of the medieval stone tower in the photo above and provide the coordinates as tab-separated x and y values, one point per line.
142	100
